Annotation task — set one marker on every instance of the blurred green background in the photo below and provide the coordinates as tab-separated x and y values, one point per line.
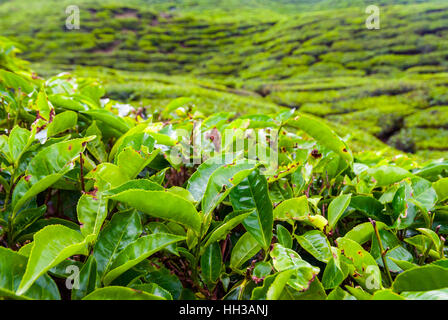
381	89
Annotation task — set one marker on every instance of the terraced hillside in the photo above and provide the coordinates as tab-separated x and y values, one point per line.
387	85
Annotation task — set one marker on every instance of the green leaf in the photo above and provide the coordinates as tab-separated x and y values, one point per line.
181	192
221	183
422	243
245	248
211	263
423	193
252	193
138	251
154	289
339	294
433	236
15	81
387	175
5	151
223	230
197	183
335	272
92	211
12	269
112	120
140	141
137	129
96	147
52	245
138	184
158	227
314	292
62	122
400	254
370	207
162	204
19	141
441	188
316	243
337	208
386	294
292	209
272	286
44	108
441	294
280	190
297	209
318	130
62	101
28	233
132	162
47	167
166	280
262	270
88	280
425	278
399	204
135	153
286	259
284	237
432	171
363	232
364	269
123	229
396	251
25	218
403	264
66	268
407	218
107	176
441	263
163	139
359	293
121	293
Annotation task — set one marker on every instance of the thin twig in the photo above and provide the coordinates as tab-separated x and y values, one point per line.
382	251
81	162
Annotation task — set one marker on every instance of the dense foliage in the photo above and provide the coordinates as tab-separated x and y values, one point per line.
114	202
387	86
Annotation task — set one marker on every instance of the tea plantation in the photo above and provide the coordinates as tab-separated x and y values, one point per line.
317	57
223	150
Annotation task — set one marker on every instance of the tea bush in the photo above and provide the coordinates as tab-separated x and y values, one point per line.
103	200
282	53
